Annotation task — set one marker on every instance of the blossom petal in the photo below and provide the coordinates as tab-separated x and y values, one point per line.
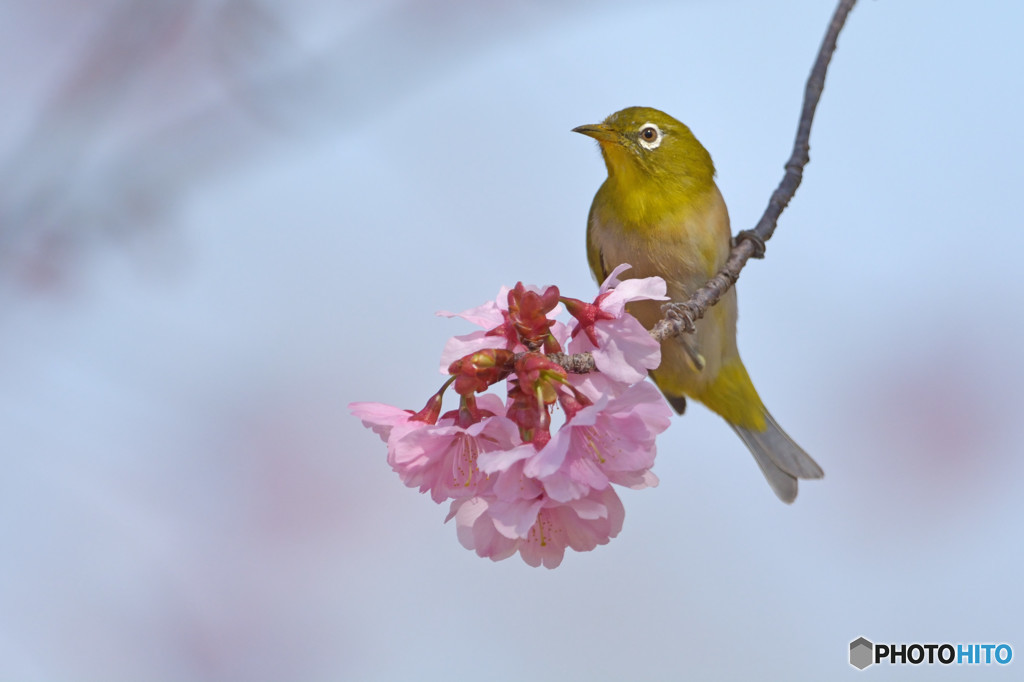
487	315
612	280
500	460
628	350
461	346
379	417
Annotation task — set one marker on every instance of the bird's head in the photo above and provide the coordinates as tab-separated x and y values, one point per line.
642	145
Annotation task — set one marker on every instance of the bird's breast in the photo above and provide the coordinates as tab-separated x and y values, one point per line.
685	247
685	243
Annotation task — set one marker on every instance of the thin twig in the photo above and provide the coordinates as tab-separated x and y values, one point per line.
578	363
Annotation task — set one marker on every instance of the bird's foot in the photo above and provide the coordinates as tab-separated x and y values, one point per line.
753	238
681	317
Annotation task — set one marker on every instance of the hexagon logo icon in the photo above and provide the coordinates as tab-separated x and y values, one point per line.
861	653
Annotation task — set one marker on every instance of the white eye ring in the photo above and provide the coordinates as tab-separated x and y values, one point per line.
645	140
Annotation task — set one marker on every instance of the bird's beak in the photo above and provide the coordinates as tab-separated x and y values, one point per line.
599	131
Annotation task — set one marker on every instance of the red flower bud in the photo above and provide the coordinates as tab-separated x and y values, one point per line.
475	372
431	410
528	311
587	314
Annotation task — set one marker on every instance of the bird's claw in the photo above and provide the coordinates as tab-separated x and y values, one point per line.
753	238
681	313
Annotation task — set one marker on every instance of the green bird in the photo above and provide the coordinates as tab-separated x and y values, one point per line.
660	211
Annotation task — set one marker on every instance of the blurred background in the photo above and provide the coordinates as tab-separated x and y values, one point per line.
223	220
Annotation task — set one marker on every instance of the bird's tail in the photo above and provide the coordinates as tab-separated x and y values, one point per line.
782	461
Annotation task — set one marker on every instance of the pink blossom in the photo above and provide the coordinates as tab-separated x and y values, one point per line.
622	348
628	290
442	458
488	316
594	385
554	491
492	317
384	420
611	441
550	526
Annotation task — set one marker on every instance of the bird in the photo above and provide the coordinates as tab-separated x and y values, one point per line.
660	211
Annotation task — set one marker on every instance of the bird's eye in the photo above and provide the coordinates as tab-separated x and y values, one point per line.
650	136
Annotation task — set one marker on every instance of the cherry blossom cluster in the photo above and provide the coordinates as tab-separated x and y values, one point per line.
517	481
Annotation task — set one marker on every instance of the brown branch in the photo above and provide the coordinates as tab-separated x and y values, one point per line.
579	363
